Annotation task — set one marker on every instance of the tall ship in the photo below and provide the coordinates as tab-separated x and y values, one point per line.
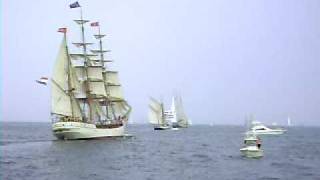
157	116
86	96
176	114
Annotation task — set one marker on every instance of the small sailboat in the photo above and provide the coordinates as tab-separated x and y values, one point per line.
252	146
289	122
156	115
86	96
176	114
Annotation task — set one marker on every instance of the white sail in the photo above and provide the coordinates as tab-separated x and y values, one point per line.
120	108
155	112
95	73
181	117
111	77
97	88
115	92
173	111
289	121
62	103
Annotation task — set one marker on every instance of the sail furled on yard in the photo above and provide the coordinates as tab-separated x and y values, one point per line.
63	103
155	112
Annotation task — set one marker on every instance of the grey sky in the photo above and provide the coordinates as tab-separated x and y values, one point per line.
227	58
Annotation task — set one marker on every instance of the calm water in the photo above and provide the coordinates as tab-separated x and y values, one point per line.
29	151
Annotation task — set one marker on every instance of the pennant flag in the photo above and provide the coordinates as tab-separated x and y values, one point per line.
94	24
74	5
42	80
62	30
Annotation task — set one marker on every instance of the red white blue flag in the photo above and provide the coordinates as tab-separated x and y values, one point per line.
74	5
94	24
62	30
42	80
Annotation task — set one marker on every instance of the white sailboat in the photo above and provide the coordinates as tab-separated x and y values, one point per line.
289	122
176	114
156	115
87	100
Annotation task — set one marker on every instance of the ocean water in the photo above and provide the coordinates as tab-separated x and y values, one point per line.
29	151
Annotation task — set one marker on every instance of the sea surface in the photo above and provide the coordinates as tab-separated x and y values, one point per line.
29	151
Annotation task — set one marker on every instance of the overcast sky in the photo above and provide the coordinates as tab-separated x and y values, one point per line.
227	58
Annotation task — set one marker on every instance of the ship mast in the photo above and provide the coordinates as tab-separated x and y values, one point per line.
81	22
70	88
68	72
101	51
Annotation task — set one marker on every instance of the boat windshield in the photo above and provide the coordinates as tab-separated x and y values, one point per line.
261	129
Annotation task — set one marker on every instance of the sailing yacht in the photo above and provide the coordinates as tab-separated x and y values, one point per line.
289	122
176	114
156	115
86	96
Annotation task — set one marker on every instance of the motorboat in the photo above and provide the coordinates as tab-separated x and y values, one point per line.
260	129
252	147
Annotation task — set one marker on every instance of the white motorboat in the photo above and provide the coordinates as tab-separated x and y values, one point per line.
260	129
252	149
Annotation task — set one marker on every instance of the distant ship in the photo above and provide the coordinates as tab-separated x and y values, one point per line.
289	121
157	116
260	129
176	114
87	100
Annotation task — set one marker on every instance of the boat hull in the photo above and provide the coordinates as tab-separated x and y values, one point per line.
252	153
176	125
79	130
271	132
161	128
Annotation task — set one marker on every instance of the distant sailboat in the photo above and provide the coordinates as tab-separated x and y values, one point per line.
177	115
289	121
156	115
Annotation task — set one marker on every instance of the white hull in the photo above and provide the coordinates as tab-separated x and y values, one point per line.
252	152
268	132
79	130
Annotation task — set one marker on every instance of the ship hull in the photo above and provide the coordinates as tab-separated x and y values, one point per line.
161	128
252	153
79	130
176	125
